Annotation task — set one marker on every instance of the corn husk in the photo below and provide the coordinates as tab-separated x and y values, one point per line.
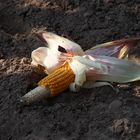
110	69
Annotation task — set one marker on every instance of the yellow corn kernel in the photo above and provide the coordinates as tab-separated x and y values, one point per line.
59	80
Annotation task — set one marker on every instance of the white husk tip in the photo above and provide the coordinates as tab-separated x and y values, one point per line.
93	84
36	94
73	87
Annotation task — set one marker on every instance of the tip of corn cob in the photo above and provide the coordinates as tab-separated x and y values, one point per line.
34	95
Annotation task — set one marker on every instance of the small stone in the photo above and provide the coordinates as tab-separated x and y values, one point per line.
115	105
124	86
118	126
109	1
1	60
88	14
24	60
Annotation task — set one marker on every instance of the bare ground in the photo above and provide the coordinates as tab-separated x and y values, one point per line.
97	114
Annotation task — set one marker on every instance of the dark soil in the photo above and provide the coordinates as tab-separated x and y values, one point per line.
97	114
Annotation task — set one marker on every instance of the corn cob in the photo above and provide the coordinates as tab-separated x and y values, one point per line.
51	85
59	80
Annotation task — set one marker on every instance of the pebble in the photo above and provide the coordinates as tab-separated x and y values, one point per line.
24	60
88	14
118	126
115	105
109	1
